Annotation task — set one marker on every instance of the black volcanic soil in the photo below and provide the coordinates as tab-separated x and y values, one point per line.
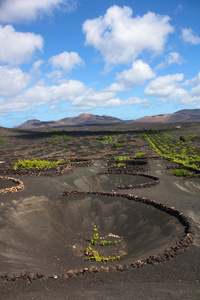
6	184
53	145
43	231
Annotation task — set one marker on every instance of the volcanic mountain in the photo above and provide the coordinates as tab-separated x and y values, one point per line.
181	116
81	120
185	115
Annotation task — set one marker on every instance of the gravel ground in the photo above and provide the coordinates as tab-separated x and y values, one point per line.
178	278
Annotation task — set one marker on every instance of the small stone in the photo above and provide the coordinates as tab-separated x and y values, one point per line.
148	260
4	275
95	269
32	276
105	269
125	267
133	265
13	277
112	269
71	273
24	274
119	268
85	270
39	275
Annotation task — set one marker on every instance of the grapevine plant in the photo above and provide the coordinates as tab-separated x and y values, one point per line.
170	148
93	254
37	163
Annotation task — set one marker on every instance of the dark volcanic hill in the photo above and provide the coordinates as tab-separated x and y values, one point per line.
181	116
185	115
81	120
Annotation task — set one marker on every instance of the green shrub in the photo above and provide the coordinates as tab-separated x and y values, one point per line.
116	145
139	155
181	172
55	143
67	139
65	145
55	136
63	161
122	141
184	138
34	163
3	140
101	138
119	165
48	142
106	139
94	254
119	158
37	163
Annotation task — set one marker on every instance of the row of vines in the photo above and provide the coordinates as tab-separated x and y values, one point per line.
172	149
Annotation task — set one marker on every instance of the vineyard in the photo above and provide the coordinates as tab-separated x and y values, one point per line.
177	151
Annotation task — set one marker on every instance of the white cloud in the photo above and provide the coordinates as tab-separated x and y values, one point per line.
66	61
166	87
116	87
121	38
72	91
18	47
193	97
188	36
40	95
171	58
13	80
137	75
37	64
178	9
169	88
174	58
35	70
193	81
92	99
14	11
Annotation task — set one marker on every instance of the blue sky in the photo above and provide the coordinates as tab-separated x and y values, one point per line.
123	58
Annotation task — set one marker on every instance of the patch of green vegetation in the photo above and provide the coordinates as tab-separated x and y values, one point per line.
55	143
93	254
55	136
116	145
37	163
47	142
106	139
122	141
95	235
65	145
67	139
3	140
101	138
120	158
140	135
139	155
181	172
172	149
105	242
184	138
118	165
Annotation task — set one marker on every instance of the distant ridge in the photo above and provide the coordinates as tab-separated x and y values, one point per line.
181	116
81	120
184	115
